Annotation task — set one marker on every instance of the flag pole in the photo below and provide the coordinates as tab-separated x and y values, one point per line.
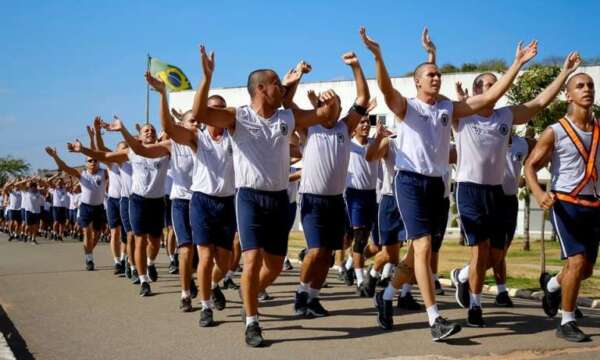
148	91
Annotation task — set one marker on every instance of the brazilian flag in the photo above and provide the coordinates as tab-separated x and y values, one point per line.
174	78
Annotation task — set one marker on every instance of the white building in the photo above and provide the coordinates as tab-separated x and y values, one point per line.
237	96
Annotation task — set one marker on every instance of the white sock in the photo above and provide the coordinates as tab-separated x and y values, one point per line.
313	293
116	259
387	270
286	259
501	288
132	268
348	264
406	288
360	277
123	256
229	275
375	274
389	292
89	257
251	319
303	287
213	285
206	304
475	300
172	257
144	278
553	284
185	294
337	268
149	261
567	316
463	275
432	314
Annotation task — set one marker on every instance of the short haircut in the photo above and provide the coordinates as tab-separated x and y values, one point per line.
420	67
217	98
574	76
479	78
257	77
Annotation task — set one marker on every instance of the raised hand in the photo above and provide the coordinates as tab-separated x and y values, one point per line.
50	151
372	104
90	131
155	83
98	123
350	59
381	131
572	62
461	94
369	42
74	146
176	114
115	125
303	67
208	62
426	41
313	98
524	54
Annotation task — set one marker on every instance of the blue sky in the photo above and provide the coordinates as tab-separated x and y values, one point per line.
65	61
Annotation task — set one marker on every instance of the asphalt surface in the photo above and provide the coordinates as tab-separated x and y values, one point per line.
51	308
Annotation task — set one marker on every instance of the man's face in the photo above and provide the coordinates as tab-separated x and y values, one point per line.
363	127
429	79
91	164
271	90
484	84
581	91
148	134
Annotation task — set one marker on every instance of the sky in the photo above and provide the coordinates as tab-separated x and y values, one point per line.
63	62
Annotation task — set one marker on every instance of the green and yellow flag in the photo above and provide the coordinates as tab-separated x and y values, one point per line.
174	78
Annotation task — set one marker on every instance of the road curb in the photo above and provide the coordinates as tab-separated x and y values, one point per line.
528	294
5	351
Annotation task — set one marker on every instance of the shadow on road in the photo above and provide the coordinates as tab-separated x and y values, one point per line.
15	341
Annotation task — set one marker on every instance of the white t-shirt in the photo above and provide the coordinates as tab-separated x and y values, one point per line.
125	171
515	155
14	200
325	158
114	181
74	200
481	145
387	170
261	149
362	174
213	165
424	137
148	176
182	167
32	201
60	197
93	187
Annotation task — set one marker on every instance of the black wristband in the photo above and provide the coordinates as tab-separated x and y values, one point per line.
362	111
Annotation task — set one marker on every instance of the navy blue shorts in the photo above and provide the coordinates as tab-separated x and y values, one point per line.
32	218
362	207
420	202
1	213
23	212
391	228
262	219
14	215
292	218
213	220
91	214
113	212
59	214
323	220
73	216
438	235
124	212
168	207
480	212
510	211
578	229
180	218
147	216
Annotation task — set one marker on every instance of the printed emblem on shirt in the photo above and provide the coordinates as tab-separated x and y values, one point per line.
283	128
444	119
340	137
503	129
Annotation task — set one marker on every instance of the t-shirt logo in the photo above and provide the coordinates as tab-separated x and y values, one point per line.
98	182
444	119
518	156
503	129
340	137
157	165
283	128
230	150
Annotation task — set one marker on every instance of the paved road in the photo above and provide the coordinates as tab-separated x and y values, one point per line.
53	309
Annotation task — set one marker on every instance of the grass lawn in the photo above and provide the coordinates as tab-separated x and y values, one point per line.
523	266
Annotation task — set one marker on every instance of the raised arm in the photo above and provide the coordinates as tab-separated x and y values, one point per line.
524	112
327	111
538	158
393	99
476	103
291	81
428	45
179	134
155	150
359	109
61	164
91	136
104	156
379	148
99	141
217	117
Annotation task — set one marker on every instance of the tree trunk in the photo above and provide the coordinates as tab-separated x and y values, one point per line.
526	214
543	235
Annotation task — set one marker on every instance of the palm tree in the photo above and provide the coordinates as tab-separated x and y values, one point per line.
10	166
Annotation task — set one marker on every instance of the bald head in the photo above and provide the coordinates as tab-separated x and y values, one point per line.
579	77
217	101
483	82
423	68
257	77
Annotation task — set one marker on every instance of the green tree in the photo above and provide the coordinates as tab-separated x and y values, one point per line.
10	166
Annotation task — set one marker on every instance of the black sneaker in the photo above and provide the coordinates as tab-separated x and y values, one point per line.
475	317
442	328
348	276
173	269
152	273
370	284
186	304
127	270
34	241
503	300
571	332
193	289
287	265
229	284
118	269
408	302
314	308
10	238
89	265
385	311
302	254
551	300
361	290
300	303
438	287
253	335
123	268
578	313
341	274
206	318
383	283
218	298
145	289
264	296
462	290
135	278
